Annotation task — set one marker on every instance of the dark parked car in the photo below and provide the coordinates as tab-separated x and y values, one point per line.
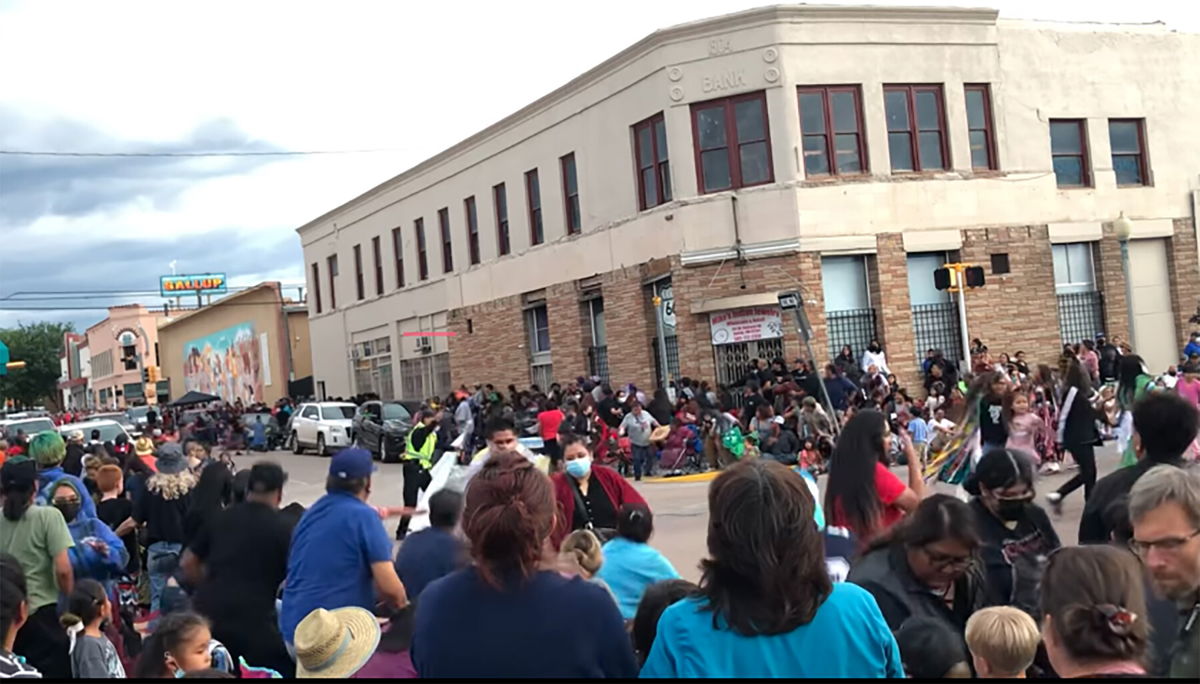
381	426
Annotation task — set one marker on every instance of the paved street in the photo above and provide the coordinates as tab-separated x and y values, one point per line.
680	508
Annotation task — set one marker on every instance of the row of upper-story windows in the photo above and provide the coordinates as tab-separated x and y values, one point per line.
732	146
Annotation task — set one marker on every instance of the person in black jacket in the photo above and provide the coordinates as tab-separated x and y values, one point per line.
926	566
1164	426
73	463
1076	432
1016	533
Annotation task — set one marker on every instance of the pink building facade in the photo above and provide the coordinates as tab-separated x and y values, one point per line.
120	346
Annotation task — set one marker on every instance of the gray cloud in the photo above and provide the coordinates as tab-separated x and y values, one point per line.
100	263
31	187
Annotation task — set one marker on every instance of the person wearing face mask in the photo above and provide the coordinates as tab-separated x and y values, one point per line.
875	356
589	495
1015	533
98	553
926	566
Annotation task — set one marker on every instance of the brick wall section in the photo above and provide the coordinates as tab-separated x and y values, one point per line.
1185	278
893	309
1017	311
760	276
630	327
496	350
567	348
1110	279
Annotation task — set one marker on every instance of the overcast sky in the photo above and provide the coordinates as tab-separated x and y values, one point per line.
258	75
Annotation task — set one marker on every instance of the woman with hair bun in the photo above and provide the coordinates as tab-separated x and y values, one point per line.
1094	613
511	603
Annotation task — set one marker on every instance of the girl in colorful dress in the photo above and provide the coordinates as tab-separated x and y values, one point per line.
1026	430
1133	384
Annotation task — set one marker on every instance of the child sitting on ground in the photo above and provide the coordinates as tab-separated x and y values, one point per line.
1003	642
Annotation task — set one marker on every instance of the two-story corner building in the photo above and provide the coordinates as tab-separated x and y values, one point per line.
119	347
846	152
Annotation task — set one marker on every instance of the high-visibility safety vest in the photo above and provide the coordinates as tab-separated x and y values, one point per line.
425	454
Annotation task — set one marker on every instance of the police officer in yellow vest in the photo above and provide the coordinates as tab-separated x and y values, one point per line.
418	459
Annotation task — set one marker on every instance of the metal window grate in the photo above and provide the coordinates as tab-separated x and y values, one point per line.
855	327
672	359
598	362
1080	315
936	326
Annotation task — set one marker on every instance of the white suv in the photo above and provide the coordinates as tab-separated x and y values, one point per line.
322	425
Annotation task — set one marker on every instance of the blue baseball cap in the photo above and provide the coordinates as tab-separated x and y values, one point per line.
351	464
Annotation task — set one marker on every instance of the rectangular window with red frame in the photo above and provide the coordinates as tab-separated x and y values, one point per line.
570	181
422	252
332	266
653	167
831	124
533	196
472	229
733	142
398	249
916	124
1127	138
500	199
316	285
447	246
1069	153
981	129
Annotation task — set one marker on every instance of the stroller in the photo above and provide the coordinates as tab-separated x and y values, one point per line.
681	452
614	451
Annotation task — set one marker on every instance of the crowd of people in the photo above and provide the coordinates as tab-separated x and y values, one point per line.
159	559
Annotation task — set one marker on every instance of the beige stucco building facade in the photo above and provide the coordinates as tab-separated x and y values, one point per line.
842	151
118	348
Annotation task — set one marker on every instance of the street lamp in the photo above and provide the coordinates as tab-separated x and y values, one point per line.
1123	228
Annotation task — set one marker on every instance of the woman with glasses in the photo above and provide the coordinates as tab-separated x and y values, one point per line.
1094	613
1015	533
926	566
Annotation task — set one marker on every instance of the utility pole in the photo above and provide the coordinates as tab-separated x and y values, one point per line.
663	367
792	301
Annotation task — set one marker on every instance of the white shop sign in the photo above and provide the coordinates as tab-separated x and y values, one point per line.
746	325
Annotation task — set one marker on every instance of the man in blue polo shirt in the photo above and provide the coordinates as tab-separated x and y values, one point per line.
341	555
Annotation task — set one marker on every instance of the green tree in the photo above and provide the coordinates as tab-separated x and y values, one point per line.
38	345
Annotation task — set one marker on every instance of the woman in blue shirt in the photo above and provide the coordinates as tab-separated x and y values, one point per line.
510	615
766	606
630	564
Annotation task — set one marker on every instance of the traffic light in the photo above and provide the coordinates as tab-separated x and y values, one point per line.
154	375
942	278
145	375
974	276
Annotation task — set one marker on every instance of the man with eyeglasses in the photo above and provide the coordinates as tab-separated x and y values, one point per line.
1164	426
1164	508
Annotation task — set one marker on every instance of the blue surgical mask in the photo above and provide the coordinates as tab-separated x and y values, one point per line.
580	467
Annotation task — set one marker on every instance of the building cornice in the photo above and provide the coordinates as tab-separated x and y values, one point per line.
663	37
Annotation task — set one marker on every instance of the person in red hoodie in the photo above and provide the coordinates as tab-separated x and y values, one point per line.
588	495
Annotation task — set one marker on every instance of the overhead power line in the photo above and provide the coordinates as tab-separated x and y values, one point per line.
231	153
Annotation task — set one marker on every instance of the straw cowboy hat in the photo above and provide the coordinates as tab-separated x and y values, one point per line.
144	446
660	433
334	644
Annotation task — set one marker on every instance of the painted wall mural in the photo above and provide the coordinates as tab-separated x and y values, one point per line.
227	363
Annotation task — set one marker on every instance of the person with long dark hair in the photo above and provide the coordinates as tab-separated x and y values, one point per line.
766	605
927	566
862	494
1015	533
1076	432
38	537
847	364
212	493
522	618
1133	383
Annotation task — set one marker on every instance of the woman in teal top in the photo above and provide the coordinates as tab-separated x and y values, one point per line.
1133	384
766	606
